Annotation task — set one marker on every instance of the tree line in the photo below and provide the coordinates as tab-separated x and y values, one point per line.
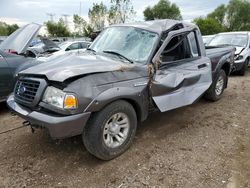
7	29
99	16
235	16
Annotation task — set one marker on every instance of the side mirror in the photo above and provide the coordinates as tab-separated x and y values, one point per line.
67	49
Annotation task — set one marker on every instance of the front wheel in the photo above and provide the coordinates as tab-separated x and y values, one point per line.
110	132
217	88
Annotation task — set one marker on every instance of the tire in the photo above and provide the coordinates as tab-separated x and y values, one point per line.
101	133
216	90
242	72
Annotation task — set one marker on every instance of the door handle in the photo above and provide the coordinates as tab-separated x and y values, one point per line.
203	66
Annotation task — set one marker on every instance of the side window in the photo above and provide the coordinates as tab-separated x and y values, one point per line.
193	44
74	46
84	45
177	49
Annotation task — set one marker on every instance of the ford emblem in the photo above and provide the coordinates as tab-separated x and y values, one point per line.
22	89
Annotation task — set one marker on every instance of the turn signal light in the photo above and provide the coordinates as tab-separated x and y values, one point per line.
70	102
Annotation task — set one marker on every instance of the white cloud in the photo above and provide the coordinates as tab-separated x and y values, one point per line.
17	21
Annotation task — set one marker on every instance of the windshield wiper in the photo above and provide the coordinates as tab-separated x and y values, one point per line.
90	49
118	54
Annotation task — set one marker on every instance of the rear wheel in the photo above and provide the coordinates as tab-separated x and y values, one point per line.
110	132
217	88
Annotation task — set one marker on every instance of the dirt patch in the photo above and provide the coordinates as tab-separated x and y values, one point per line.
202	145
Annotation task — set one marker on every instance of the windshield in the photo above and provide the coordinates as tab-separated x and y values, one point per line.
206	40
63	45
133	43
230	39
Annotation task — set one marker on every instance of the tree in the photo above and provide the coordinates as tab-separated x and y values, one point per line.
120	11
219	14
80	25
148	14
234	17
12	28
164	9
88	30
208	26
238	15
6	29
58	29
97	16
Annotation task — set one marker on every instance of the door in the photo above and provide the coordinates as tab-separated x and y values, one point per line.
184	72
4	79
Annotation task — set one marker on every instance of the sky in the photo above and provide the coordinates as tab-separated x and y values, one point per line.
26	11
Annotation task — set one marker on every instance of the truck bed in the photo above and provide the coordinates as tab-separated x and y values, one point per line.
216	53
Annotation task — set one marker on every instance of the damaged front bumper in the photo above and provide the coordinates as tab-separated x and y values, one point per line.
58	126
238	65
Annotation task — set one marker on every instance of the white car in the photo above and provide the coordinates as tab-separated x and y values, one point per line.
71	46
207	39
241	41
66	47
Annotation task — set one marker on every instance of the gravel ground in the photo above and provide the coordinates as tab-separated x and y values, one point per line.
202	145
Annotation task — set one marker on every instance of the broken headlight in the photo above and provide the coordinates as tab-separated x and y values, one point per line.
238	57
59	98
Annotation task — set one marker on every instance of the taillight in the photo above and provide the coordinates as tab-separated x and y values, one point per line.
10	51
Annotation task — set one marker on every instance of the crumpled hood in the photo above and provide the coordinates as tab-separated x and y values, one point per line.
72	65
239	50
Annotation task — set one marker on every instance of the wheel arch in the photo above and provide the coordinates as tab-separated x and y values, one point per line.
138	100
227	68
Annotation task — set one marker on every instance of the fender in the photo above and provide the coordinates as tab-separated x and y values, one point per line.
224	60
136	96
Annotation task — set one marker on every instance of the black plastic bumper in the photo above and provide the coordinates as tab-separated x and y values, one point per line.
58	126
238	66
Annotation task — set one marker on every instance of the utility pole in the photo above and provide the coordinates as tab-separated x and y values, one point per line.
80	12
51	16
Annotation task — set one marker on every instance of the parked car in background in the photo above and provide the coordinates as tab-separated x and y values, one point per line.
71	46
44	46
14	57
129	71
207	39
64	48
241	41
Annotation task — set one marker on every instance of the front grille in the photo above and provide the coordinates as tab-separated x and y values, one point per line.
26	90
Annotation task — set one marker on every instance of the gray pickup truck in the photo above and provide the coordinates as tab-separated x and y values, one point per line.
129	71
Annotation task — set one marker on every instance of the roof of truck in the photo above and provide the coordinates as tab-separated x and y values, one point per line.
157	26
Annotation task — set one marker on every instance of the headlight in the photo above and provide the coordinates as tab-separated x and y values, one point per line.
238	57
60	99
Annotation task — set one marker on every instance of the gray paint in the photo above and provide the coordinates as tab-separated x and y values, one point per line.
99	79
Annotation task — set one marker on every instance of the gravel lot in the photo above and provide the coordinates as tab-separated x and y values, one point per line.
203	145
